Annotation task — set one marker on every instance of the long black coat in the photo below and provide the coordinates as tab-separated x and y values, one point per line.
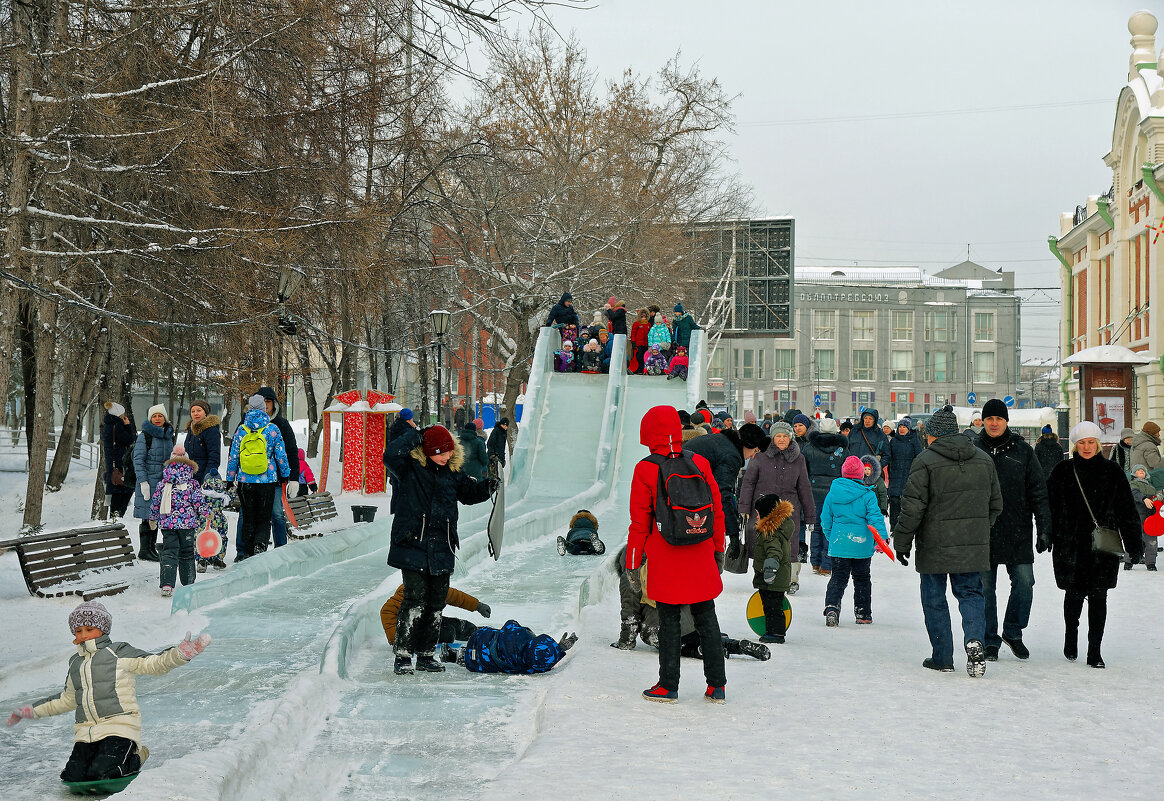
1049	453
1077	567
617	319
497	446
424	526
1024	493
823	455
116	436
203	444
562	314
902	452
724	457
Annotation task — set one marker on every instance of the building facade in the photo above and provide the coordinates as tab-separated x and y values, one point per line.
893	339
1108	247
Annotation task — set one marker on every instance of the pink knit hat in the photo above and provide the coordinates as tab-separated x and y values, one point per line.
853	468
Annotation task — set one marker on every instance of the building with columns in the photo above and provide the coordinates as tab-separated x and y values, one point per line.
1111	257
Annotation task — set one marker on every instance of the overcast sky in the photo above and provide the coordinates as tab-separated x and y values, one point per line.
843	119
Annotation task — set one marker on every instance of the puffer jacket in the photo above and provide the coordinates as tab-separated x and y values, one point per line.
277	463
285	430
725	458
824	455
876	481
177	502
1146	450
581	524
424	526
476	458
782	473
850	508
390	611
774	541
902	452
101	687
868	441
1049	453
513	648
951	500
660	335
1024	494
561	314
684	324
149	461
680	574
203	444
116	437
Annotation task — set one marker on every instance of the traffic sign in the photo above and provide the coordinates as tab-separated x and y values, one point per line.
971	398
1008	400
816	399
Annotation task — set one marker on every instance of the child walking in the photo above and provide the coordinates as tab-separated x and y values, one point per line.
217	496
178	506
772	562
849	509
1142	493
100	686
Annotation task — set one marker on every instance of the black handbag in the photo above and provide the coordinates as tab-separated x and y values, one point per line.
1103	539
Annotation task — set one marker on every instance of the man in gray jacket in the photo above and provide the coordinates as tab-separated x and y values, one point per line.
951	500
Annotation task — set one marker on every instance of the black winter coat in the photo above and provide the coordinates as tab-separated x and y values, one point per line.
562	314
1049	453
951	500
1077	567
724	457
1024	493
424	526
617	319
117	436
868	441
902	452
476	459
284	427
498	445
203	444
824	454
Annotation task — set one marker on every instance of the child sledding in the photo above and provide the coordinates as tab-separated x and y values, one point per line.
582	539
513	648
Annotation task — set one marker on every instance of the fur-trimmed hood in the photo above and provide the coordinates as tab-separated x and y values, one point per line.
455	461
178	460
583	514
206	422
875	463
693	432
768	524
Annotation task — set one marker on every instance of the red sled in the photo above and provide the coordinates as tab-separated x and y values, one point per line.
1154	525
882	545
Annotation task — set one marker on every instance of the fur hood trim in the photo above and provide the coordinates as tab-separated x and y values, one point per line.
182	460
205	423
767	525
582	514
455	461
692	433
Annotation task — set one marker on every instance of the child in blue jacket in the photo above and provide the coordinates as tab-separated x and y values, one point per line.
849	509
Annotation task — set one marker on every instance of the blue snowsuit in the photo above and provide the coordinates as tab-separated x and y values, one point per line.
511	649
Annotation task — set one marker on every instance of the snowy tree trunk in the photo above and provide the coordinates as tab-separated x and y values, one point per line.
81	391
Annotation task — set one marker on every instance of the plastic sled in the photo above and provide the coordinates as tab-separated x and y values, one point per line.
101	786
756	613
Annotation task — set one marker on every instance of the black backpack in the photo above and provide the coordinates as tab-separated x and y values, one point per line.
683	501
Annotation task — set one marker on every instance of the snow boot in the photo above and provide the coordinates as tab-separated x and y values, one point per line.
426	663
715	694
167	592
403	666
627	634
975	659
746	648
561	546
201	566
776	638
218	562
832	619
932	665
596	544
148	552
661	695
1016	647
793	588
992	653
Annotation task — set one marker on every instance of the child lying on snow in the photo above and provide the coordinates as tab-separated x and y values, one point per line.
511	649
583	536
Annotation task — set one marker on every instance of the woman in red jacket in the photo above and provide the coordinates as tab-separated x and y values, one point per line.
678	574
638	340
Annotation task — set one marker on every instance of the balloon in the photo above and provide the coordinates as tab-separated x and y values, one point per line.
208	543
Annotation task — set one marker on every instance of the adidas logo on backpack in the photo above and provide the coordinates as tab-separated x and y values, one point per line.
683	501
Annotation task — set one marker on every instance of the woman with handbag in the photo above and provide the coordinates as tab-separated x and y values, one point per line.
117	435
1093	520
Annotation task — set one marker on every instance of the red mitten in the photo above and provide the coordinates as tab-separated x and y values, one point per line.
24	713
191	648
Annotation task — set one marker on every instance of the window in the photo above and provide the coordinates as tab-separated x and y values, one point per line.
901	365
862	365
785	365
715	365
760	359
863	325
984	367
936	366
826	364
824	325
746	363
983	326
903	326
939	327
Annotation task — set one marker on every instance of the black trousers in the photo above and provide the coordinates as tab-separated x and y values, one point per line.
110	758
670	643
773	603
453	629
894	511
1096	616
256	501
418	626
119	502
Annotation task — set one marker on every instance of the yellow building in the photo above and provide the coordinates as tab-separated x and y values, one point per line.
1109	248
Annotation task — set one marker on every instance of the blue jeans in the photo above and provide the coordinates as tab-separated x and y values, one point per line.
278	524
862	585
967	589
1018	607
819	555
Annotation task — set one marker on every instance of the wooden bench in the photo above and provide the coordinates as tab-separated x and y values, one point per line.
308	510
53	564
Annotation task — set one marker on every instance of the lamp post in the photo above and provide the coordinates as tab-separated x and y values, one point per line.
289	279
440	326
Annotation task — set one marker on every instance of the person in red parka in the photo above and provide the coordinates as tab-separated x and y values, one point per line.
678	575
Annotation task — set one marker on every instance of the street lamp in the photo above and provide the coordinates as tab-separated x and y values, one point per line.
289	279
440	327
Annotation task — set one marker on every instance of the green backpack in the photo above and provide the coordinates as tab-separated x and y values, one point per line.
252	452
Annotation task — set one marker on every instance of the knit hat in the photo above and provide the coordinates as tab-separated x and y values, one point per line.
1126	432
780	427
765	504
749	416
479	424
803	419
684	417
853	468
943	423
470	426
995	408
114	408
504	421
977	415
201	404
405	414
702	416
905	421
828	426
90	613
158	409
678	308
1085	430
1136	467
1151	429
1047	430
613	301
257	402
752	436
846	425
437	440
178	453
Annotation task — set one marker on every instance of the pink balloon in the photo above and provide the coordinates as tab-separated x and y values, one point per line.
208	543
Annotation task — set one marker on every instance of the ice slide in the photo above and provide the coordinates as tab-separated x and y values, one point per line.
296	698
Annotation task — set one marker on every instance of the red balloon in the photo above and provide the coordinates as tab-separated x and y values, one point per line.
1154	525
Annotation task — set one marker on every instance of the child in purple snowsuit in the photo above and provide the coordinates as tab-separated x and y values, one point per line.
564	358
656	361
178	507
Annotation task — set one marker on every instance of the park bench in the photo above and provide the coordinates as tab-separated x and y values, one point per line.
308	510
54	565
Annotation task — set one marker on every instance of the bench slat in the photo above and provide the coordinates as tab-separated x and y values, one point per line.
51	562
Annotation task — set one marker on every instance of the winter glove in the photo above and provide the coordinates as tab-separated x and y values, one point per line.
719	560
1043	543
734	548
494	484
24	713
153	525
484	609
191	648
635	581
771	565
313	487
744	518
903	557
145	490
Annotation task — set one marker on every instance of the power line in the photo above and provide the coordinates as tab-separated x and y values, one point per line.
907	115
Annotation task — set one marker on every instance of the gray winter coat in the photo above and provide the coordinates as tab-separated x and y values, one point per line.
1146	450
783	473
148	463
951	500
